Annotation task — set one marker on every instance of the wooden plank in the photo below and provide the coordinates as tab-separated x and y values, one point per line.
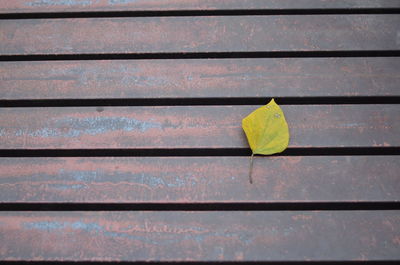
200	236
192	126
26	6
203	78
199	34
200	179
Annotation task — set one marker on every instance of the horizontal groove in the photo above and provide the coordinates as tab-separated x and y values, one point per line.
364	262
179	152
198	101
196	13
200	55
270	206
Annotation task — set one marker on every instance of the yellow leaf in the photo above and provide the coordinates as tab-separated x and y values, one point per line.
266	130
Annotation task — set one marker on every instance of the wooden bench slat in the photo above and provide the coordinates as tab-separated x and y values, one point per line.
200	179
199	34
201	236
193	126
203	78
26	6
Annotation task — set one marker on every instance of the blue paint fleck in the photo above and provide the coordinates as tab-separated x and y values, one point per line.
89	227
84	176
44	225
143	81
116	2
45	132
354	125
197	238
67	187
178	183
155	181
19	133
142	178
51	226
59	3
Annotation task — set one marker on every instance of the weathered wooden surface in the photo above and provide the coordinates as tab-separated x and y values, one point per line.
200	236
25	6
203	236
193	126
200	179
281	77
199	34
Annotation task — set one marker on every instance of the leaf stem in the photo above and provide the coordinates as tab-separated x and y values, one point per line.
251	168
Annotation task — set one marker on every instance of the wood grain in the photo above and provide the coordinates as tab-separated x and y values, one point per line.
199	34
200	236
25	6
200	179
279	77
193	126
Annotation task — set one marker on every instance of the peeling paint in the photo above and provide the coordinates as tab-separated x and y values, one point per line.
52	226
154	181
67	179
75	127
44	225
67	187
116	2
90	227
99	125
79	175
194	233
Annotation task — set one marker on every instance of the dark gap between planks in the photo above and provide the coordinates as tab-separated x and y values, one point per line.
179	152
199	101
200	55
257	206
196	13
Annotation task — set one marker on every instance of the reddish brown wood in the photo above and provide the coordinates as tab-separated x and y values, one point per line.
23	6
199	34
192	127
197	236
200	179
290	77
200	236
